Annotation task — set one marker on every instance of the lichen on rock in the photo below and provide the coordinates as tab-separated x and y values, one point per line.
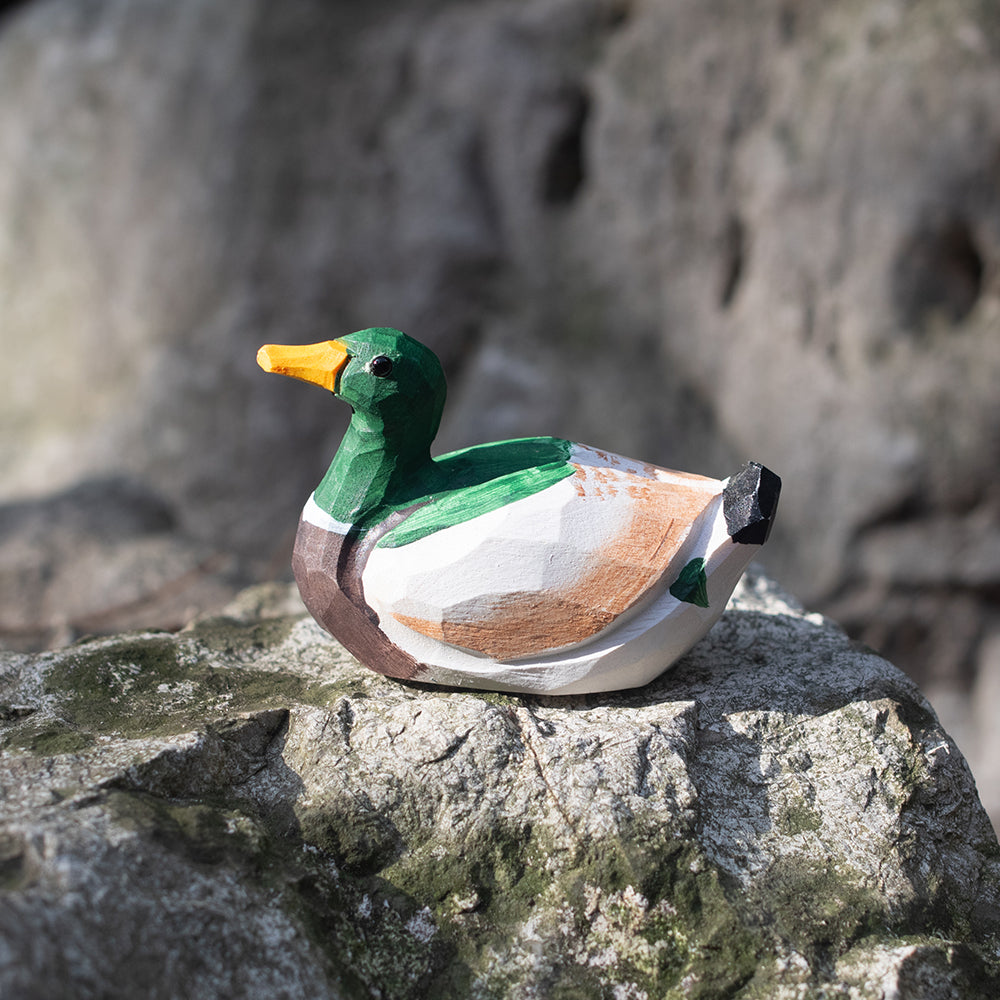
252	813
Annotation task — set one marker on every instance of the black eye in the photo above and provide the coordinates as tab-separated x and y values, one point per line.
380	366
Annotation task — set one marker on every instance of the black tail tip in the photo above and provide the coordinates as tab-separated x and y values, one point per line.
749	502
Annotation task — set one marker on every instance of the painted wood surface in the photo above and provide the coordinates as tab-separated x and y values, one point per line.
533	565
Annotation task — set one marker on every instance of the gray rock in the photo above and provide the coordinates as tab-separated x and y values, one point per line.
103	556
241	809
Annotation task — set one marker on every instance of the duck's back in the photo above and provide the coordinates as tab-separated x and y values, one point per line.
547	571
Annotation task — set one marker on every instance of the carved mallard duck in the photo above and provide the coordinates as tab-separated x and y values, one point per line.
534	565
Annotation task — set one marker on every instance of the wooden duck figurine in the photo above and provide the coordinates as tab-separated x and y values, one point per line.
534	565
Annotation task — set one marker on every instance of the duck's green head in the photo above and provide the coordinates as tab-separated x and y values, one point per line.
392	382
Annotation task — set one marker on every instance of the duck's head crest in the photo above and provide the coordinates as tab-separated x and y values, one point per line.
382	373
389	374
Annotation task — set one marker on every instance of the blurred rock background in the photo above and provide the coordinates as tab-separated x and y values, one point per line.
694	231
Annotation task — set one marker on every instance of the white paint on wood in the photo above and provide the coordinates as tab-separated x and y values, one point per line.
630	653
544	545
314	514
583	454
541	543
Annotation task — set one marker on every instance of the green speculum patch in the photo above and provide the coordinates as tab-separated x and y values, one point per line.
692	584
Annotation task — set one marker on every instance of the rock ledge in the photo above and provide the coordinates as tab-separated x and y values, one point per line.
241	809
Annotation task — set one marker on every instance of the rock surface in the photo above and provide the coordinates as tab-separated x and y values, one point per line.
103	556
242	810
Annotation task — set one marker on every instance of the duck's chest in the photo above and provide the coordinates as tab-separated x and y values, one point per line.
328	561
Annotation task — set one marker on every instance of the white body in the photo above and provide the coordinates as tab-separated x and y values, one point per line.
572	544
